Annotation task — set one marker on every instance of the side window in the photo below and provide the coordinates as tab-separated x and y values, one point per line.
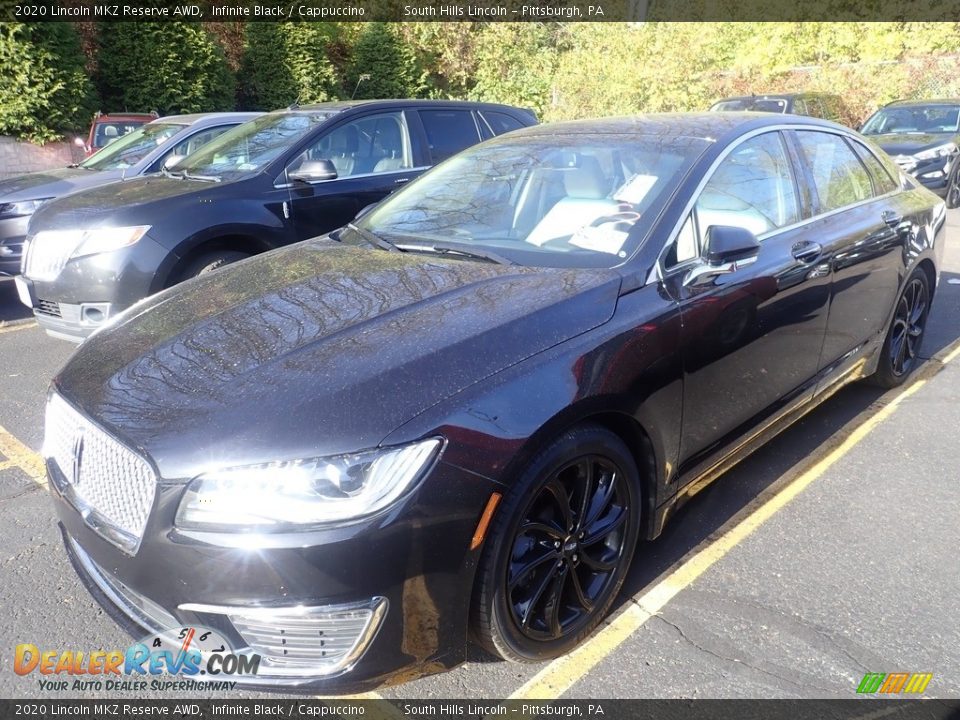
195	142
369	145
686	247
838	176
882	181
449	132
752	188
800	107
501	123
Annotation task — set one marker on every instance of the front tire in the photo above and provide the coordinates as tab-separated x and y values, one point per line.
900	353
211	261
559	549
952	197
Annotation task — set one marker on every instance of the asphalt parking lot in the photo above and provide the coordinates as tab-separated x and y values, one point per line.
828	554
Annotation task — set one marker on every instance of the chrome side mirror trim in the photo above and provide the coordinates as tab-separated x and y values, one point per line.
704	273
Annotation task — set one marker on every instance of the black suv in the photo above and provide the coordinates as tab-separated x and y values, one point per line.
922	136
818	105
283	177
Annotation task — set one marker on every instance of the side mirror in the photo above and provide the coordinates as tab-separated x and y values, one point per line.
727	243
729	248
171	161
314	171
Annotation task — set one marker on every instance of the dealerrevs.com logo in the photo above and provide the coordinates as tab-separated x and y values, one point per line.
197	657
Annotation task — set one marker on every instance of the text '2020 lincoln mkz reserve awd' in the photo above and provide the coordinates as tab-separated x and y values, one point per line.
459	415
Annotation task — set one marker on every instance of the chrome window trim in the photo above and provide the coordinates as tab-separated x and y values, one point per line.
421	168
661	271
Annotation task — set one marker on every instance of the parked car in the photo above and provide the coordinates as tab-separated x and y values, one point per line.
106	129
818	105
142	151
922	137
461	412
286	176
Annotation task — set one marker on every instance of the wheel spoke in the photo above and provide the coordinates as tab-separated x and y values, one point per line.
585	602
562	501
537	595
597	565
544	528
602	498
553	604
601	529
529	567
587	477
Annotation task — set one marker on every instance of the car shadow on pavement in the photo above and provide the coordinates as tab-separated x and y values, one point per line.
11	309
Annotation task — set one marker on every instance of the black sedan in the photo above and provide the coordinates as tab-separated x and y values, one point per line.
461	413
922	136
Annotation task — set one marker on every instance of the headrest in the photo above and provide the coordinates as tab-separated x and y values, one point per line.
586	181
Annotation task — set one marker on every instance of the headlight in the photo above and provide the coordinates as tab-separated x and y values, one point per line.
301	494
19	209
50	250
944	150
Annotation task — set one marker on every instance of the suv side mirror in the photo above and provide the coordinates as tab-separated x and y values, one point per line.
171	161
314	171
729	248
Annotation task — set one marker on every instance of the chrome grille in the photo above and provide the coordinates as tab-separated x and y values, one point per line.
311	642
47	253
100	475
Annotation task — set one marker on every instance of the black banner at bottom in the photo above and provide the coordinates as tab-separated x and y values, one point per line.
863	709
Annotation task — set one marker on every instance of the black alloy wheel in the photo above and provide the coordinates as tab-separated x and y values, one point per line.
560	549
953	185
901	348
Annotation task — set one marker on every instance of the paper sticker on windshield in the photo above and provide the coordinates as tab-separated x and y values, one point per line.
635	189
608	238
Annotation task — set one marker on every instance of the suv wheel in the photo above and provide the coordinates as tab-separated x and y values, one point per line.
210	262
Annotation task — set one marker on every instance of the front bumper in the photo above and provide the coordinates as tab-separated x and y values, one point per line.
13	232
412	567
90	290
932	174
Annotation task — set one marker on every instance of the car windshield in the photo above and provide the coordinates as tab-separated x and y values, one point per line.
251	146
559	200
132	147
920	119
773	105
105	133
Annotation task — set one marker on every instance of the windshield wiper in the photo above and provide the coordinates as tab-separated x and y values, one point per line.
373	239
458	249
205	178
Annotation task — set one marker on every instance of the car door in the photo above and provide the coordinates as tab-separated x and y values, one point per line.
750	338
858	224
373	156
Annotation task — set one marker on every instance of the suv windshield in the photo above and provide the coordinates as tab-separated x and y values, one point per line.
251	146
132	147
919	119
559	200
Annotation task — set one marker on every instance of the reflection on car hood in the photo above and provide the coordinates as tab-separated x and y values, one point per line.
53	183
318	349
904	144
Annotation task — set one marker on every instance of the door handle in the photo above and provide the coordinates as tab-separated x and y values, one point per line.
891	217
401	181
806	252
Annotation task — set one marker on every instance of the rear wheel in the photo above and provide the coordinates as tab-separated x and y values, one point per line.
209	262
560	548
901	348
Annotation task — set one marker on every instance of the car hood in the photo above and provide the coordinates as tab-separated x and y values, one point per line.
116	204
317	349
904	144
53	183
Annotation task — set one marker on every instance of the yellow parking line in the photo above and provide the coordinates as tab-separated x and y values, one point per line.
21	456
560	675
18	326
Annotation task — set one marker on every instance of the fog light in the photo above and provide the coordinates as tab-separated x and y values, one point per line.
303	642
94	313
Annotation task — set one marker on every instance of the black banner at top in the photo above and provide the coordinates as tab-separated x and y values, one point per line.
477	10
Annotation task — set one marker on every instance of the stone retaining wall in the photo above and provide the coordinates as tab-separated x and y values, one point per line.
18	157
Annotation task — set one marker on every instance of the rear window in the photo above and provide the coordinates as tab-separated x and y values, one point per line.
501	123
448	132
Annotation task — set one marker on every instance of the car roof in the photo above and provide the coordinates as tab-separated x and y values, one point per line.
344	105
710	126
932	101
194	118
775	96
109	117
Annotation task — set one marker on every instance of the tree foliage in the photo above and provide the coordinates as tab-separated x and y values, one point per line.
44	89
383	66
171	67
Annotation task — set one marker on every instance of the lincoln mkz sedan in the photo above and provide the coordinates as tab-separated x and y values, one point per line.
458	415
